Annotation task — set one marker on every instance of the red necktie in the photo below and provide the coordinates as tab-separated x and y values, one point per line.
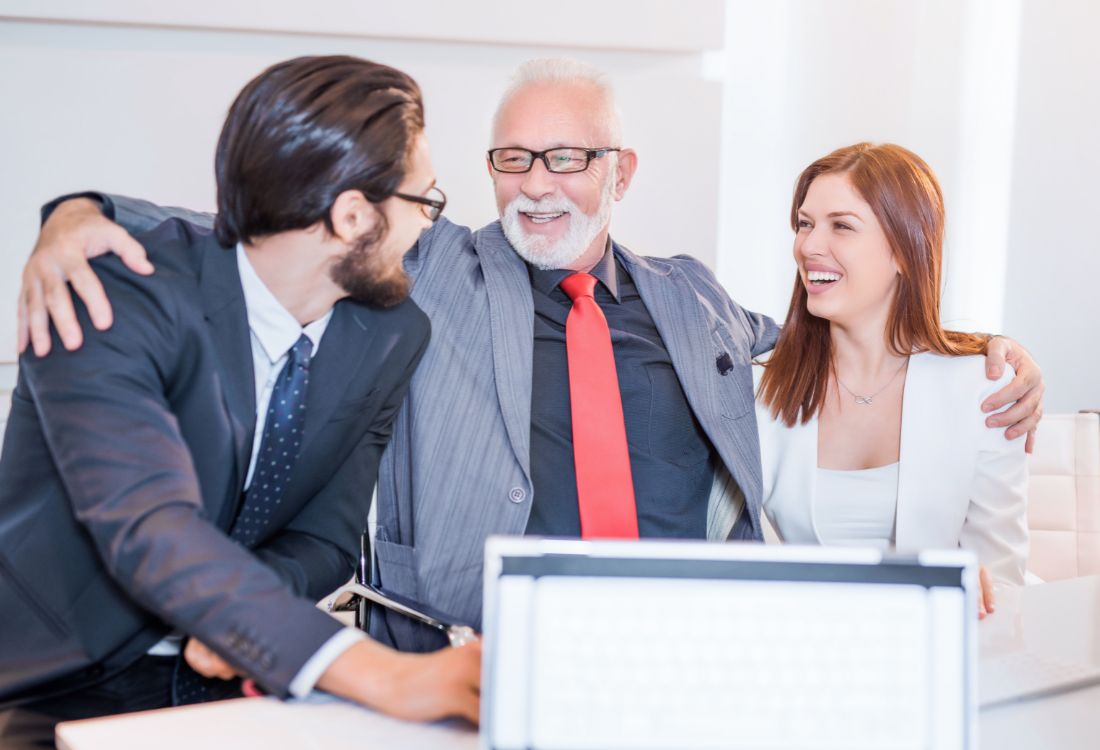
605	489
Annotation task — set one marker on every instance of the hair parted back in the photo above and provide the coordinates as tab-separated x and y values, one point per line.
905	196
304	131
567	70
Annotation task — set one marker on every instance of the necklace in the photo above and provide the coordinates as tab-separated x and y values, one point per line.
868	400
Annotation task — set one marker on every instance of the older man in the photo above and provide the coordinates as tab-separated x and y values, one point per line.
571	387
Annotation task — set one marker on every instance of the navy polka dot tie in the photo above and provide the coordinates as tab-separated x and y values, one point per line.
280	446
279	449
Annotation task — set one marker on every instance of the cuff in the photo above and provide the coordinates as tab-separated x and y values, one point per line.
106	205
333	648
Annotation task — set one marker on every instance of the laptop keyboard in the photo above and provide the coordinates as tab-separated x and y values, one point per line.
657	663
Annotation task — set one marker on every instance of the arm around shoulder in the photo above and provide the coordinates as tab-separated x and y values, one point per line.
761	330
135	215
996	520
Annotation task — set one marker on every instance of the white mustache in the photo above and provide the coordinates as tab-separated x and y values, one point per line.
559	204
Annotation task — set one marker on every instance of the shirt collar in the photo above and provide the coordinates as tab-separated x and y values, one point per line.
271	324
605	271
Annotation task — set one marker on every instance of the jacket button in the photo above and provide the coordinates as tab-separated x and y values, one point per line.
517	495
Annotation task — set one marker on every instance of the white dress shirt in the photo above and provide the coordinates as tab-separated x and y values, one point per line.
274	331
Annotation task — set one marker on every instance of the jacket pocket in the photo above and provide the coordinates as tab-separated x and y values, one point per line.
732	373
396	568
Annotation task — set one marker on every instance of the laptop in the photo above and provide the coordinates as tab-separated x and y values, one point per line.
694	645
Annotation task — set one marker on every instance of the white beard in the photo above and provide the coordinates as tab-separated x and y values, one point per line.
544	253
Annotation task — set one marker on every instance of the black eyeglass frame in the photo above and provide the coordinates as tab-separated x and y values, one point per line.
590	154
435	206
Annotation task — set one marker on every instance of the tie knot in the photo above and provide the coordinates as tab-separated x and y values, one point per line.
300	353
579	285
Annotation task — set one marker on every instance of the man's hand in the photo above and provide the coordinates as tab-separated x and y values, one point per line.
985	593
204	661
75	231
1026	389
417	687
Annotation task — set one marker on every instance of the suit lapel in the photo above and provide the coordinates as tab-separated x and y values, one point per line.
349	334
911	457
796	479
679	318
224	309
686	331
511	321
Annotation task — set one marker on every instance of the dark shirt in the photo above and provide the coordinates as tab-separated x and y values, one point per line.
671	459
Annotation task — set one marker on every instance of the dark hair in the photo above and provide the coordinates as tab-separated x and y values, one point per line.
306	130
905	197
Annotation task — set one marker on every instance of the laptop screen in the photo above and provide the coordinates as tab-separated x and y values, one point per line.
695	645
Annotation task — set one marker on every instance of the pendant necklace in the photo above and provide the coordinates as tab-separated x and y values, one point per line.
868	400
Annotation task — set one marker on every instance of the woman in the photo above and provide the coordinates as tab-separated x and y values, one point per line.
869	424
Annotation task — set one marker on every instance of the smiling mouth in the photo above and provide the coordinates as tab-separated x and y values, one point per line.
543	218
822	278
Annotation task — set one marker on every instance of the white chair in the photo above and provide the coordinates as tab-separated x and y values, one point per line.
1064	497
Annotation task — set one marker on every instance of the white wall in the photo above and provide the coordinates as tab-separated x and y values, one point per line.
129	97
806	77
999	96
1053	301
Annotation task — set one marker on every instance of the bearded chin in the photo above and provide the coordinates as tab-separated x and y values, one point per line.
544	253
367	278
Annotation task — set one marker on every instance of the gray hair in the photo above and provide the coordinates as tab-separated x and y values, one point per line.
566	70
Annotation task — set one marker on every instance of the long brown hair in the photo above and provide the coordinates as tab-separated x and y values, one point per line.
906	199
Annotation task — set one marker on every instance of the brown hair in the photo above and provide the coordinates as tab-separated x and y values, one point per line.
304	131
906	199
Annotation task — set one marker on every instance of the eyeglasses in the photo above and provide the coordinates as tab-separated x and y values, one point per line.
431	204
558	160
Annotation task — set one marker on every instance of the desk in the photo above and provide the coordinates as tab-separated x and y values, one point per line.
320	722
1060	620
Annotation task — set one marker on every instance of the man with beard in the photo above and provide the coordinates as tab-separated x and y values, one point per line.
198	471
572	388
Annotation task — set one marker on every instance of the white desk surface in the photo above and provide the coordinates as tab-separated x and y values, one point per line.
1060	620
323	723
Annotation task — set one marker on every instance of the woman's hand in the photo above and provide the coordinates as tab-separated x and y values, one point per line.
985	593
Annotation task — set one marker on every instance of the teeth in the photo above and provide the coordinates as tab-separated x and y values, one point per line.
542	218
822	276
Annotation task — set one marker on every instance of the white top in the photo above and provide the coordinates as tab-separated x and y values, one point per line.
959	483
274	331
856	508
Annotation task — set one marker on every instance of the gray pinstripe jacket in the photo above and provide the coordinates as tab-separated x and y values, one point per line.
458	465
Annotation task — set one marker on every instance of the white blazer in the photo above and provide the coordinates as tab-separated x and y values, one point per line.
960	483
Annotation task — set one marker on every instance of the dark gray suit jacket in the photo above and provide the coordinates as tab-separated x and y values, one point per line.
122	470
458	467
